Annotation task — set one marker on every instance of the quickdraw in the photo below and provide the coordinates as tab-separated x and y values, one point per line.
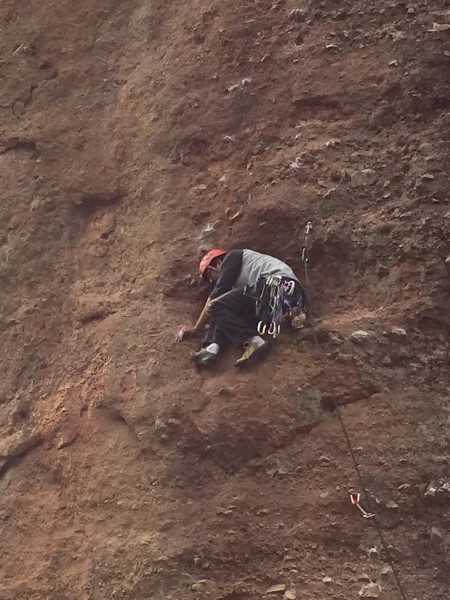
355	499
262	328
308	228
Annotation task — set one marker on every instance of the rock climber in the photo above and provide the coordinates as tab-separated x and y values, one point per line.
252	294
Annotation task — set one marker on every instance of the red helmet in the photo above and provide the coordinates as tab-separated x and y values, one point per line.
208	258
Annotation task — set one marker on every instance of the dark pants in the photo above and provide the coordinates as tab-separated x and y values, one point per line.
233	319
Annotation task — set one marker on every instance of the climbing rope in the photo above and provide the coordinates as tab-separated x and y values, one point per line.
353	497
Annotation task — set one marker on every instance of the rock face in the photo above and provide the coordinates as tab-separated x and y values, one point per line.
135	135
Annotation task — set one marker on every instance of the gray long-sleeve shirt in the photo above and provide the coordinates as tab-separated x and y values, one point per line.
246	267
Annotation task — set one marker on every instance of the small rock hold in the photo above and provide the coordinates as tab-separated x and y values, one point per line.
332	143
276	589
327	579
360	336
439	27
363	178
226	392
447	264
436	536
18	443
66	438
371	590
290	595
398	331
297	14
386	572
296	164
106	225
208	230
391	504
236	216
439	490
205	585
160	425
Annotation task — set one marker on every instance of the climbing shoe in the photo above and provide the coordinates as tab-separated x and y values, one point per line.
253	353
203	358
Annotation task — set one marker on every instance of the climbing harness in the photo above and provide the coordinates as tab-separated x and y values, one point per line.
354	497
272	302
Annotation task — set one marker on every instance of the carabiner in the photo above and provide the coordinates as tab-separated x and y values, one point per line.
288	287
262	327
354	497
274	330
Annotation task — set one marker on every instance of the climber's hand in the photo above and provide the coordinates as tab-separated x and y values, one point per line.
186	332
